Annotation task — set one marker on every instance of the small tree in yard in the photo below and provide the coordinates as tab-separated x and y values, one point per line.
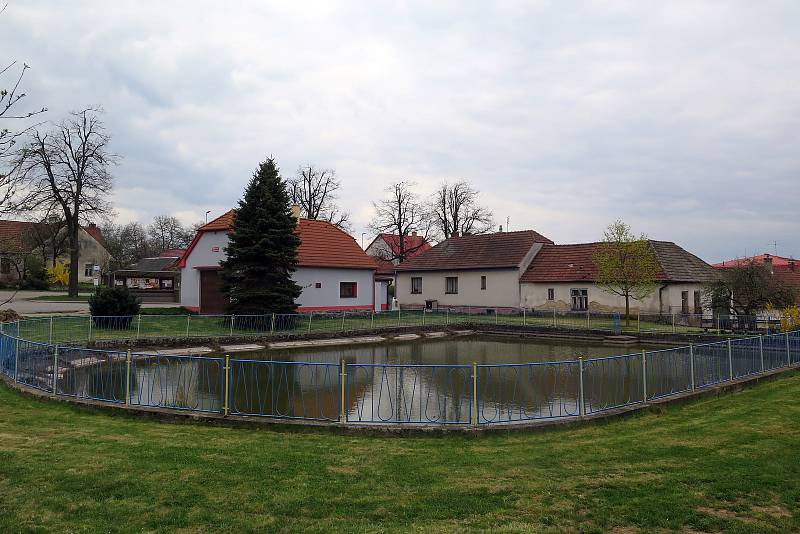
626	265
262	251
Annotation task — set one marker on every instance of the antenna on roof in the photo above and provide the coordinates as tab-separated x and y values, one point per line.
774	244
508	223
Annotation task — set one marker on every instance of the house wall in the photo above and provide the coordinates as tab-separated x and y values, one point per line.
379	249
534	296
90	252
209	252
502	288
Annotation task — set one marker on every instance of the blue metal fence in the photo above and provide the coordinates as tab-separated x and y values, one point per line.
375	393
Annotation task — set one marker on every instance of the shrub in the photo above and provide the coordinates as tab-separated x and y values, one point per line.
36	277
113	307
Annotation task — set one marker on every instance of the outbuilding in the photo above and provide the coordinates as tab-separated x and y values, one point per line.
333	271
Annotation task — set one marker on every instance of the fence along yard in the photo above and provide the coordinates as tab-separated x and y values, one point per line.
375	393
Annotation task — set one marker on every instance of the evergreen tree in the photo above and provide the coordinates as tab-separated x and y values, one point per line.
262	251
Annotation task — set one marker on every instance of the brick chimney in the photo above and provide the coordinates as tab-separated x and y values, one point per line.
768	263
296	211
791	264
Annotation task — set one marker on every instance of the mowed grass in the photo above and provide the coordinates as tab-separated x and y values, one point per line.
720	465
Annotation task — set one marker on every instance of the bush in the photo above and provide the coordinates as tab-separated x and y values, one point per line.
113	307
36	276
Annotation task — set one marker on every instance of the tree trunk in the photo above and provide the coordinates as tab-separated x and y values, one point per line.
627	310
74	254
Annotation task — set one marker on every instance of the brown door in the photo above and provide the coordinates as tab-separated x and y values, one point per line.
212	300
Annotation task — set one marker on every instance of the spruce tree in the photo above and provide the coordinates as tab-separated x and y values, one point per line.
262	250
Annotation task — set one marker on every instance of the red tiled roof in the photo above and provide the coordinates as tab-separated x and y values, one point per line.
13	233
776	261
322	244
94	231
790	276
575	263
492	251
414	243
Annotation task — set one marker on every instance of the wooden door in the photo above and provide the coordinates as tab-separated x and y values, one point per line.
212	300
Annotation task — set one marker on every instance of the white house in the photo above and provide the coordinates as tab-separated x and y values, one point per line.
333	271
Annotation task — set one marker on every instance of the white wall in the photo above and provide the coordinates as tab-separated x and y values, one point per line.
502	288
208	252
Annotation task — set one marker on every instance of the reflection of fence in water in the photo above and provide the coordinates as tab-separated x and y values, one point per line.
522	392
35	364
92	374
180	382
669	371
711	363
295	390
395	393
612	382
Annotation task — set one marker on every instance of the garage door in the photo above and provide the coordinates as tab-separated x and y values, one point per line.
212	300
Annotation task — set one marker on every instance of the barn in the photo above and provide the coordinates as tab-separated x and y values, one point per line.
333	271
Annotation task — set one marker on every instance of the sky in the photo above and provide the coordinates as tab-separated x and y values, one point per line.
680	118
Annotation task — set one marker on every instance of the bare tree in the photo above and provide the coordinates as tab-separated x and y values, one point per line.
126	244
314	190
402	213
66	169
48	237
455	210
166	232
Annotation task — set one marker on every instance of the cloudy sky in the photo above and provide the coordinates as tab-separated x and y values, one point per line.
682	118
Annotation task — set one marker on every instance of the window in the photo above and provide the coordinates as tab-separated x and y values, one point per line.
88	270
483	282
451	285
580	299
318	285
551	293
416	285
698	305
684	302
5	266
348	290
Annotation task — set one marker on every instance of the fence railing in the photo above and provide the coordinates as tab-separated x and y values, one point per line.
373	393
75	329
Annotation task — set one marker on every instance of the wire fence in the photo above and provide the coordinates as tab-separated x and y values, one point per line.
380	393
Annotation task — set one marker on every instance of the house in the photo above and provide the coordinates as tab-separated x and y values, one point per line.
153	279
20	240
385	248
333	271
782	268
469	270
563	277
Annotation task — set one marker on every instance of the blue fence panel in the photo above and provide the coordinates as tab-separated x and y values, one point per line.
92	374
510	393
794	346
292	390
396	393
669	371
776	351
36	361
8	353
746	356
711	363
181	382
612	382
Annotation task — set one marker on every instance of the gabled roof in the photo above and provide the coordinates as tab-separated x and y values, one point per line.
159	264
414	243
575	263
487	251
322	244
776	261
789	274
13	235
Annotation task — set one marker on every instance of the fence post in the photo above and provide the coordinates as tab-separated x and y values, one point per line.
343	393
581	398
788	352
588	323
691	363
474	410
398	315
90	326
16	357
554	316
188	318
51	330
639	321
524	317
310	315
225	400
55	371
673	322
128	377
761	351
644	376
447	318
344	314
495	316
272	325
233	321
372	319
730	360
139	326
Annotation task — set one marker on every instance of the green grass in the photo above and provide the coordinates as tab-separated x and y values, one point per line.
720	465
62	298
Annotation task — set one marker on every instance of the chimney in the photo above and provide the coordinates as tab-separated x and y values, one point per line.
454	234
296	211
414	233
768	263
791	264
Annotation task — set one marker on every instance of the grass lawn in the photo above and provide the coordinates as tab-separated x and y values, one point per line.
728	464
82	297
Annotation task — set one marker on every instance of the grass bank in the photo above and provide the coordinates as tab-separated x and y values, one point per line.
727	464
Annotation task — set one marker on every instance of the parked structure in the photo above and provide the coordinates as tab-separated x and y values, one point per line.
471	270
333	271
19	241
153	279
563	277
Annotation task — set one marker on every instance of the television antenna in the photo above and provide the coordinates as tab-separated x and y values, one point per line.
775	245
